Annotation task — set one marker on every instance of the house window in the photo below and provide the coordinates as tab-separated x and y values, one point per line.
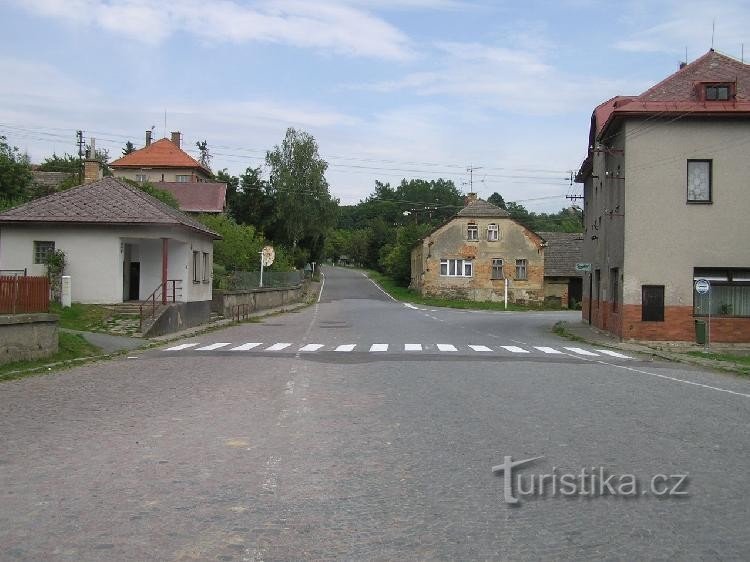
520	269
206	267
472	232
730	292
456	268
140	177
182	178
699	181
598	283
614	287
41	249
497	268
493	233
652	303
718	92
196	267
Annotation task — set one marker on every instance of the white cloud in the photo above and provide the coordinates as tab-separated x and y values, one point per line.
673	26
327	26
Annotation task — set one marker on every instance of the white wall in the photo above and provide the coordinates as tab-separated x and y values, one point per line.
95	257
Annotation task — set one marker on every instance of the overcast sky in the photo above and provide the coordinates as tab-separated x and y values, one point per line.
390	89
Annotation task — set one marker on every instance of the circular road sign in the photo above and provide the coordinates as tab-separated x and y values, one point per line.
702	286
268	256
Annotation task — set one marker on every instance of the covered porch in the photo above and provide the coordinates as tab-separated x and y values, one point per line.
154	267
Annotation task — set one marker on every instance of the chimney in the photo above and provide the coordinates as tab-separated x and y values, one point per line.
148	138
92	168
471	198
176	138
683	65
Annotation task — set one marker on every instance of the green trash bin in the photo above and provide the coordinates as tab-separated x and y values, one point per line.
700	332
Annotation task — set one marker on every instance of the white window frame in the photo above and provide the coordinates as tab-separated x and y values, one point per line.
196	266
141	178
693	175
450	267
472	231
493	232
206	266
182	178
494	263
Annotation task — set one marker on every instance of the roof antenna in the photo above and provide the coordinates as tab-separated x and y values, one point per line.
713	30
165	116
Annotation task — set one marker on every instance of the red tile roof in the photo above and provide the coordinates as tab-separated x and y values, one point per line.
197	197
104	202
678	94
160	154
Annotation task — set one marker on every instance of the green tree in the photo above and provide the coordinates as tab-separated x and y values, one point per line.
15	175
304	210
128	148
239	248
205	154
497	200
395	258
251	202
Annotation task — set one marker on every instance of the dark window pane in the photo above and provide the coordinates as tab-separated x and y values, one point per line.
652	304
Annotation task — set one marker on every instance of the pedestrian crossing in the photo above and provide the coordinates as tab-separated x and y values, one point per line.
441	348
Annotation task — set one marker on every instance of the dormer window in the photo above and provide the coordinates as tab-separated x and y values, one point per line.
718	91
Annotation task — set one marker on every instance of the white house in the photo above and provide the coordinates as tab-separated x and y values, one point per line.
120	244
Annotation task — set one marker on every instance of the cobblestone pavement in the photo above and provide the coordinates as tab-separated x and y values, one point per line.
221	456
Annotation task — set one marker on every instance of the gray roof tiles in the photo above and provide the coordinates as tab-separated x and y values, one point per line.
562	253
481	208
107	201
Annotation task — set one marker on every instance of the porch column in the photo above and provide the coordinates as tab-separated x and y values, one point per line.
164	268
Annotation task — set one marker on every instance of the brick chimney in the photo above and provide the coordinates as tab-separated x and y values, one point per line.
148	138
176	138
470	198
92	168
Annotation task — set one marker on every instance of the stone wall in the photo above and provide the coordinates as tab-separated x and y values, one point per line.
27	336
225	302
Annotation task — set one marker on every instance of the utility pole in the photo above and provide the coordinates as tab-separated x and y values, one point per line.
471	170
80	142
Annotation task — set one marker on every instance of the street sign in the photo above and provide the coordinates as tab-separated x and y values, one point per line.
702	286
268	255
583	267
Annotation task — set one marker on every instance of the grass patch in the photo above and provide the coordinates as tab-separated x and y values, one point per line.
561	329
741	361
84	317
405	294
71	346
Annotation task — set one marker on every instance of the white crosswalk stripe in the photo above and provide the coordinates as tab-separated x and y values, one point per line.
213	346
514	349
407	347
246	347
181	346
613	354
551	350
581	351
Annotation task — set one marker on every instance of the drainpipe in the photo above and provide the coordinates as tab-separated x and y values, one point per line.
164	268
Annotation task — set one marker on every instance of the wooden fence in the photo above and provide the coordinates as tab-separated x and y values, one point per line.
21	295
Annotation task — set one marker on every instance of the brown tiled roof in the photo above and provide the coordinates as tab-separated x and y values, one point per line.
481	208
197	197
677	95
160	154
107	201
562	253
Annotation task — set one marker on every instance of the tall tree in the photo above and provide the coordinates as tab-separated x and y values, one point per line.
128	148
304	208
497	200
205	154
15	174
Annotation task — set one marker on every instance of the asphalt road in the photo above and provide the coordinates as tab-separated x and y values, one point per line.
361	428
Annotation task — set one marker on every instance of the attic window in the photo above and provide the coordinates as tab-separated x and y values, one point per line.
718	92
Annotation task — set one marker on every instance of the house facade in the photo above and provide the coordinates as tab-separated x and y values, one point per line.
562	282
665	204
160	161
120	244
472	255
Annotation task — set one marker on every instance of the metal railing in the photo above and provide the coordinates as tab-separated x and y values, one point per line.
165	292
23	295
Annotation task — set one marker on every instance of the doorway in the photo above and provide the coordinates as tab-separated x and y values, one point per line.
134	278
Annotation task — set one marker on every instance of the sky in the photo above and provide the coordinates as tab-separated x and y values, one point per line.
389	89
